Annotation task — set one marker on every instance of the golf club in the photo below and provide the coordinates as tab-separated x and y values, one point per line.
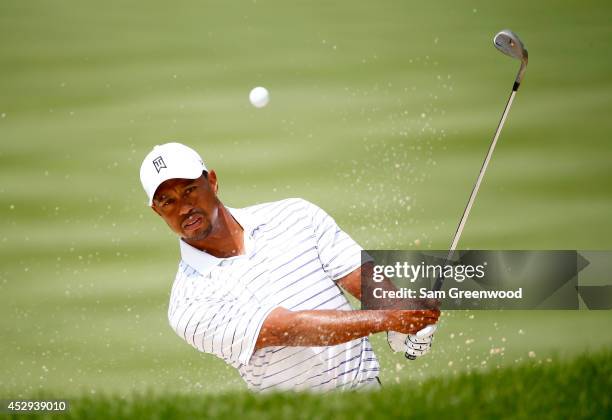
510	44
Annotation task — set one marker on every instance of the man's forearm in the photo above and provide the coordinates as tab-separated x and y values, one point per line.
331	327
317	328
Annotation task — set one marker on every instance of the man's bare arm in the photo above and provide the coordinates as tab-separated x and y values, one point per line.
309	328
352	284
352	281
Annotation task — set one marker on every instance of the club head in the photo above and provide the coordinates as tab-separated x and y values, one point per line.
510	44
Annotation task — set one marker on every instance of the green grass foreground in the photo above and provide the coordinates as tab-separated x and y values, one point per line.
576	389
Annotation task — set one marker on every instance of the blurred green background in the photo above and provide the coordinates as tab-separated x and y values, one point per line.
381	113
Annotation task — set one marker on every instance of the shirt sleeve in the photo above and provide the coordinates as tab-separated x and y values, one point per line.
227	327
338	252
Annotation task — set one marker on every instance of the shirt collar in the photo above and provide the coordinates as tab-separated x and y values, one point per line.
203	261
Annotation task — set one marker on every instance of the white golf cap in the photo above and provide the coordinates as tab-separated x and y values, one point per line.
169	161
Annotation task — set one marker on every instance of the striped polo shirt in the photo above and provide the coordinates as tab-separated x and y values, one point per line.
294	253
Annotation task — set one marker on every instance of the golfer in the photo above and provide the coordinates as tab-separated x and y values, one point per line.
260	286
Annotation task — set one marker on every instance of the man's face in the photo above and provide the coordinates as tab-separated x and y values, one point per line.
189	206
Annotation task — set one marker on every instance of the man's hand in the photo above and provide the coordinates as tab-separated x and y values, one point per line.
413	345
410	321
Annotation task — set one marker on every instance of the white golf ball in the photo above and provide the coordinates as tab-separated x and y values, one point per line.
259	97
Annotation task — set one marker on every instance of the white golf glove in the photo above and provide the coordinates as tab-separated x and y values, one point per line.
413	345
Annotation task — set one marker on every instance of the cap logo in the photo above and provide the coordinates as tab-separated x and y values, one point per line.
159	164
